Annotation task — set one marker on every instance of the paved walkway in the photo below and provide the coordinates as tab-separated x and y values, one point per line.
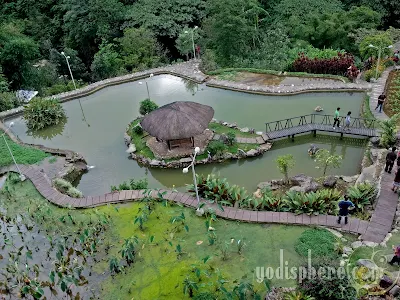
377	89
375	230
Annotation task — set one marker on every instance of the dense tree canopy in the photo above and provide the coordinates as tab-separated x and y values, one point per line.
105	38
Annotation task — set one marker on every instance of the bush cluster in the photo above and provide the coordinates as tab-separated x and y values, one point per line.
147	106
8	100
41	113
140	184
66	187
216	148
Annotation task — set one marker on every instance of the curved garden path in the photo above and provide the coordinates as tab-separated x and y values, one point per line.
43	184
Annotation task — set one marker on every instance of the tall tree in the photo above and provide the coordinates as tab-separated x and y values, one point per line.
106	63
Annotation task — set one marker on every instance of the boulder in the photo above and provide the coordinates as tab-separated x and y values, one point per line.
356	244
395	290
228	155
375	141
241	153
296	188
245	130
257	194
155	163
318	109
347	250
349	179
273	185
385	282
367	174
265	147
223	138
252	152
369	264
185	160
127	139
131	149
300	179
330	181
232	125
306	183
370	244
252	130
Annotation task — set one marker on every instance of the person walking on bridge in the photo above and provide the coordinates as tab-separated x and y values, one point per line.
336	118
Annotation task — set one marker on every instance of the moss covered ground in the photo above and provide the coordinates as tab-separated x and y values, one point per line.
23	155
159	268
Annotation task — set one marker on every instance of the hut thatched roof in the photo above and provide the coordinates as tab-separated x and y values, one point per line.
178	120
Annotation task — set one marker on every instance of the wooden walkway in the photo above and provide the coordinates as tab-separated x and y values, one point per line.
316	122
374	230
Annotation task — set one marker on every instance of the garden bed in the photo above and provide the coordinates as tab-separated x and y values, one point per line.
392	105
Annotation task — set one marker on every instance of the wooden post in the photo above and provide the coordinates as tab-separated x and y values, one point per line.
314	133
192	139
292	137
341	135
169	145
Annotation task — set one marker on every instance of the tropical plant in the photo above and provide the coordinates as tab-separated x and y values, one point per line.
115	266
326	160
388	133
128	251
297	295
308	203
133	184
285	163
189	287
230	138
362	194
216	148
147	106
41	113
66	187
330	285
138	129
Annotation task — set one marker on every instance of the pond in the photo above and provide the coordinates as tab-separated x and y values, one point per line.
96	125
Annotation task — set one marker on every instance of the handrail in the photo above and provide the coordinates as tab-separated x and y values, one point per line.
318	119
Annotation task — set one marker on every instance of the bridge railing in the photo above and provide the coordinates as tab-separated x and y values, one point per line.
318	119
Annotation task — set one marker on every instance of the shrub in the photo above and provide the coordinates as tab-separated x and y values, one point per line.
328	286
66	187
297	295
362	194
138	129
41	113
62	88
320	242
140	184
216	148
388	133
147	106
218	190
230	138
208	61
8	100
285	163
336	65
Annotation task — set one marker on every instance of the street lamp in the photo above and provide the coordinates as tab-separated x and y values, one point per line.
69	68
194	50
147	86
379	56
186	170
21	176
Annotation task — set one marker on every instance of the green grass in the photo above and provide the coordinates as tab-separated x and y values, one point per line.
231	73
220	129
366	109
140	142
23	155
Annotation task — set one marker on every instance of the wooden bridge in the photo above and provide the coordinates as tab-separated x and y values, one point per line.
316	122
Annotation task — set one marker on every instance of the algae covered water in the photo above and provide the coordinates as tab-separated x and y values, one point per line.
96	124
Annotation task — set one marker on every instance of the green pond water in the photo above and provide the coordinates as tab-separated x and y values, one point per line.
96	125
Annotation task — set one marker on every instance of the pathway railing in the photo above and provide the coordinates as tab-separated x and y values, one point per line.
311	119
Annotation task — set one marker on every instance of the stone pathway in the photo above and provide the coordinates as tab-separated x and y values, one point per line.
377	89
374	231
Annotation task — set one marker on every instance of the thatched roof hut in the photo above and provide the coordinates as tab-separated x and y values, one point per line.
178	122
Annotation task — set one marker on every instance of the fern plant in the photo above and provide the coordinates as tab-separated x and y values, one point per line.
388	133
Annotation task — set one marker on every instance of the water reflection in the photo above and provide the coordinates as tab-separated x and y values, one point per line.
49	132
191	86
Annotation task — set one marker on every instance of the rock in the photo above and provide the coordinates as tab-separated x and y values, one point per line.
394	290
155	163
356	244
245	130
131	149
242	153
367	174
335	232
257	194
232	125
259	133
349	179
375	141
330	181
369	264
73	171
347	250
252	152
225	123
228	155
318	109
252	130
127	139
185	160
296	188
370	244
299	179
385	282
265	147
216	137
272	185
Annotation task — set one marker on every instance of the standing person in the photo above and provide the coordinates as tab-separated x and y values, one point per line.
381	100
344	206
347	121
396	182
336	119
396	257
390	158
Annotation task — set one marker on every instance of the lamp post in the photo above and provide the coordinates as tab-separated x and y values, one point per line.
186	170
21	176
147	86
194	50
69	68
379	56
